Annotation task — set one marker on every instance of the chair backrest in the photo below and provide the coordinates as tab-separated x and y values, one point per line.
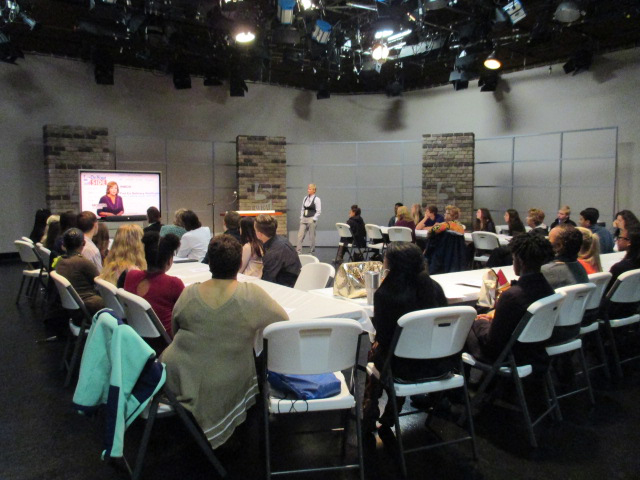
307	347
626	289
26	239
400	234
600	280
108	291
541	317
45	256
485	240
26	251
141	317
314	275
344	230
68	295
374	234
575	303
433	333
304	259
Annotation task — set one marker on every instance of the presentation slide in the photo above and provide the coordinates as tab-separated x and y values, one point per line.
135	192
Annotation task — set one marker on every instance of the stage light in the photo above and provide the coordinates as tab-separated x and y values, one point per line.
464	61
30	22
245	35
515	10
459	80
181	77
237	86
211	80
492	62
567	12
380	52
383	29
307	5
488	82
436	4
321	32
323	92
579	62
285	11
394	89
397	36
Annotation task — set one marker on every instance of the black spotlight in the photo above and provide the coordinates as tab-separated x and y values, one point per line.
181	77
103	69
323	92
8	52
394	89
237	86
579	62
488	82
459	80
212	80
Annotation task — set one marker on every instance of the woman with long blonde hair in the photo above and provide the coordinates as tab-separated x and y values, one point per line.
589	255
127	253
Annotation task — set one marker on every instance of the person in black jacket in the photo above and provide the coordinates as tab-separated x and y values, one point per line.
358	232
406	288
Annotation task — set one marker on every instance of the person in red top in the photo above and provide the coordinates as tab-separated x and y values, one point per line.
154	285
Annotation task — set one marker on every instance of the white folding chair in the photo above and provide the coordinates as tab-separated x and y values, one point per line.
536	326
375	239
571	314
32	273
141	317
344	231
626	289
428	334
308	347
72	302
304	259
314	275
590	323
484	242
400	234
107	291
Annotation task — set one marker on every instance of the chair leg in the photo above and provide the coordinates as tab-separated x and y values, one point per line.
267	445
396	416
20	290
551	398
602	354
585	370
153	410
74	358
523	406
467	405
614	349
358	414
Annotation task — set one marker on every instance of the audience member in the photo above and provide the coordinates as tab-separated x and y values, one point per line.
210	363
232	224
628	241
407	287
416	213
535	217
101	240
88	223
514	224
483	221
252	248
451	215
625	220
126	254
193	244
39	224
563	217
404	219
53	232
50	219
79	270
565	269
490	333
358	234
589	219
589	255
392	220
154	285
177	228
153	217
281	263
431	217
68	219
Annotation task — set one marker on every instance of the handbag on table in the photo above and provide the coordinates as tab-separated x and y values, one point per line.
493	284
349	280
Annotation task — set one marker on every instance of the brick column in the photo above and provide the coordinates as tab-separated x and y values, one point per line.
262	176
447	172
68	149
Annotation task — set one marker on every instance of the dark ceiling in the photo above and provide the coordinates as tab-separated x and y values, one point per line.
183	38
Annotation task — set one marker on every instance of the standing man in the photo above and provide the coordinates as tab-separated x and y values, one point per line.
309	213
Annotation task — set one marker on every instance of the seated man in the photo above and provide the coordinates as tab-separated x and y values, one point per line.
628	241
392	220
563	217
535	217
232	224
88	223
589	219
154	217
431	217
490	333
281	263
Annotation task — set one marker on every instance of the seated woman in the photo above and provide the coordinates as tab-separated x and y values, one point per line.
252	249
193	244
628	241
406	288
39	224
490	333
210	363
101	240
589	255
78	270
416	213
514	224
127	253
358	232
483	221
404	219
535	217
177	228
154	285
625	220
451	215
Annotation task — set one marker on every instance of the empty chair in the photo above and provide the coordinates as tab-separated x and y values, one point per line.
141	317
375	240
346	243
536	326
590	324
483	243
428	335
626	289
107	291
308	347
400	234
32	273
72	302
314	275
304	259
571	314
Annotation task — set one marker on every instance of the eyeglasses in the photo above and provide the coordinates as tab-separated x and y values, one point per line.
623	238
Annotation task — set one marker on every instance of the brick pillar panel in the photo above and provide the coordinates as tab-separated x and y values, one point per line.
447	172
68	149
262	176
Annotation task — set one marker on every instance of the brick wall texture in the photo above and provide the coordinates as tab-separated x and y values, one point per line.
68	149
262	176
447	172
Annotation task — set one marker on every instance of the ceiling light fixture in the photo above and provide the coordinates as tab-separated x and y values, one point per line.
380	52
245	36
492	62
515	10
399	35
322	31
371	8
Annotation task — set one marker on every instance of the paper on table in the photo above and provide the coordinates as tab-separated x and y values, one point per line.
476	283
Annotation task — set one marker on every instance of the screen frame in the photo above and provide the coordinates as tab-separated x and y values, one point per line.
121	218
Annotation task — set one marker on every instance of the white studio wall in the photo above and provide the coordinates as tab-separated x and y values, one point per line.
44	90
